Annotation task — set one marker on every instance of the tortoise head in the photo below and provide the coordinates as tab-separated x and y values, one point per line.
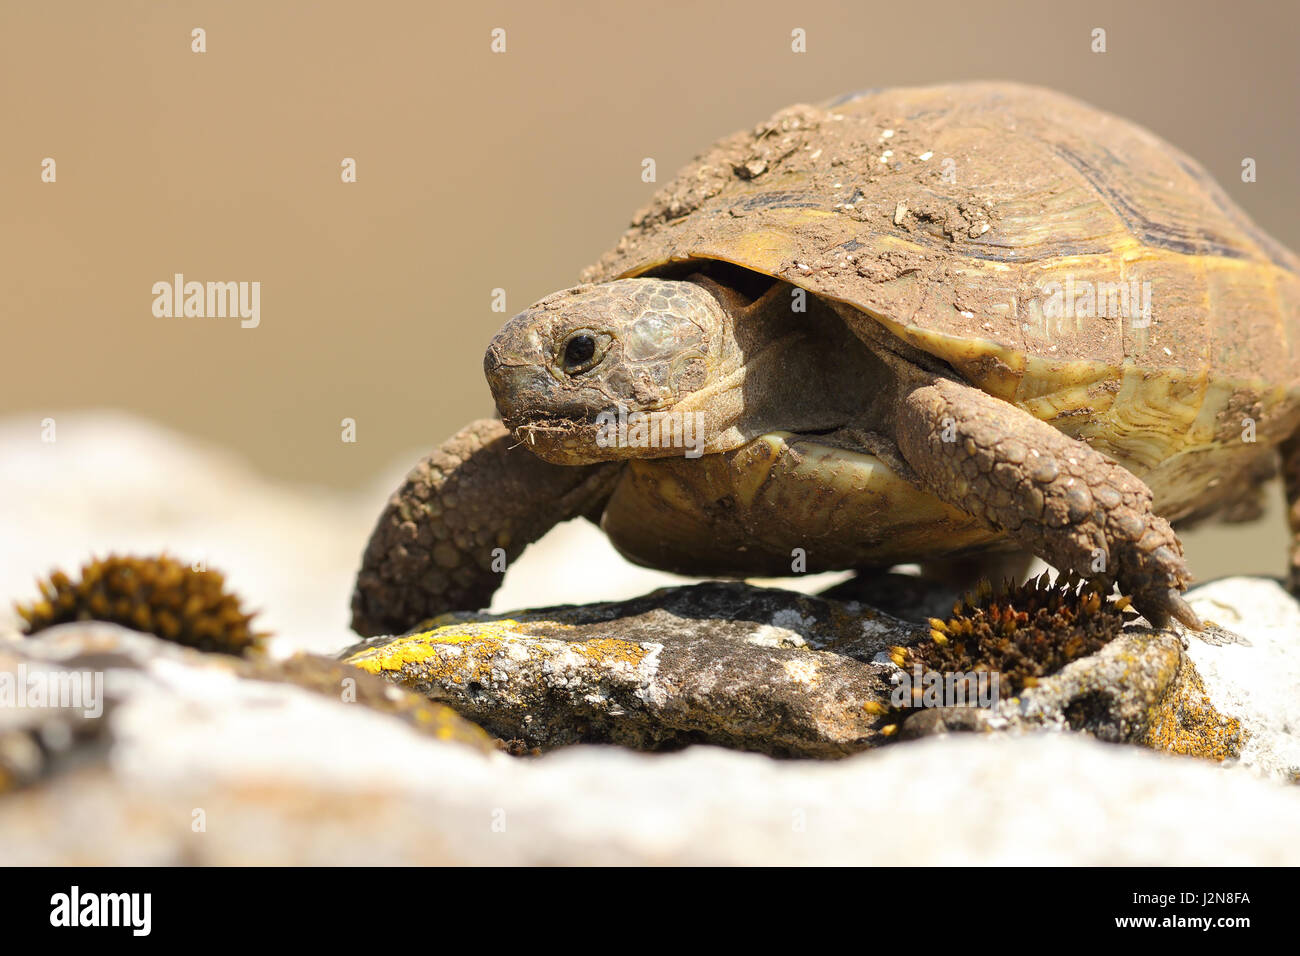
634	368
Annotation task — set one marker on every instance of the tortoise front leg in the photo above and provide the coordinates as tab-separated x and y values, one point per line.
435	547
1072	506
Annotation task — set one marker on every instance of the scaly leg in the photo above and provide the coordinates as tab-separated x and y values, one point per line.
1072	506
433	547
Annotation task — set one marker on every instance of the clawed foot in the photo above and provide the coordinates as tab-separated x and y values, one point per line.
1069	504
1159	608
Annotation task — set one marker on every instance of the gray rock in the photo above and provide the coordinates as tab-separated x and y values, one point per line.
38	733
766	670
282	774
751	668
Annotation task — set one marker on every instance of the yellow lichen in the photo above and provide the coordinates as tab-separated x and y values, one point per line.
611	650
472	652
1187	723
418	648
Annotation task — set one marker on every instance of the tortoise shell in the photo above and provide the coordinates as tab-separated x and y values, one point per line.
1054	255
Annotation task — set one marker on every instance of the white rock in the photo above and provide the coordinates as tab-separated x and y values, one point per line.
310	781
1259	682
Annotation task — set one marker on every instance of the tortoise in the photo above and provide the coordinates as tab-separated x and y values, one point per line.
907	325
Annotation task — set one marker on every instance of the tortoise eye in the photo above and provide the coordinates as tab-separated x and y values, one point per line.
583	351
579	350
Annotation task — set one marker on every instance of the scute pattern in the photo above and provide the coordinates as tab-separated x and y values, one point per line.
1057	184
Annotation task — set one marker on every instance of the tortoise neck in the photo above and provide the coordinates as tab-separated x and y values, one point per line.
789	364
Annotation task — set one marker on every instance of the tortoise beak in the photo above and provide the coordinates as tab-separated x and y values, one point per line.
515	387
528	394
555	424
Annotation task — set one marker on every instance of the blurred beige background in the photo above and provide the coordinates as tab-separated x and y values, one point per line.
476	171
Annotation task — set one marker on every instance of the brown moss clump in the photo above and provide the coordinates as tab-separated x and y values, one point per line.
1022	632
158	595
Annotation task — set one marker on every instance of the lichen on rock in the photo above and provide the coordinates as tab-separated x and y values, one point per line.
743	667
790	675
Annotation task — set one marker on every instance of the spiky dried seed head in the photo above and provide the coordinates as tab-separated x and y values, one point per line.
158	595
1023	632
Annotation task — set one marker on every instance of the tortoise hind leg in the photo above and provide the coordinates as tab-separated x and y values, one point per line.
435	547
1069	504
1290	454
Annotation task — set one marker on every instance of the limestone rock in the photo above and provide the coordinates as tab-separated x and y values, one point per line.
1141	688
1253	671
387	795
750	668
196	761
74	694
766	670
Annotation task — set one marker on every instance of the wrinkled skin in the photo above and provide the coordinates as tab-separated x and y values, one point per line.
694	350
